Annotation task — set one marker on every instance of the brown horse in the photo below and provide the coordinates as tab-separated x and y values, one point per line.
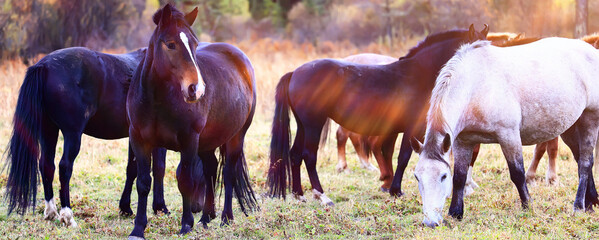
393	100
193	104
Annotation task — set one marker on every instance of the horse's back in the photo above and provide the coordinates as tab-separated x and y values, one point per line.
86	91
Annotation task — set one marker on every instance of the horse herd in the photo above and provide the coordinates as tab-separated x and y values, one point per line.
454	90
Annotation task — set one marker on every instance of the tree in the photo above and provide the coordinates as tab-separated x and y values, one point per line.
582	10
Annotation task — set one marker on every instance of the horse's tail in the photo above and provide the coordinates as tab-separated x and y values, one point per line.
366	145
279	173
324	136
23	147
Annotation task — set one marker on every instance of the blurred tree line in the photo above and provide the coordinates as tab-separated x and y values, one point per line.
31	27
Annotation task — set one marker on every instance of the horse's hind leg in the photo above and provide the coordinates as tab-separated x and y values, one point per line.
236	178
125	202
384	146
312	136
210	166
551	175
532	169
158	167
47	167
295	155
581	138
470	183
511	146
342	136
72	143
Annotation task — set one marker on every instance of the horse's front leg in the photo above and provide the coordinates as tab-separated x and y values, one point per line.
158	168
142	153
462	154
511	146
185	179
125	202
405	152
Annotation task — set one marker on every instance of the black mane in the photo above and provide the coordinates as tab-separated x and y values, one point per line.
434	38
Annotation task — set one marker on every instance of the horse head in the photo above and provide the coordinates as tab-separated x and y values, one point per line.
434	178
173	46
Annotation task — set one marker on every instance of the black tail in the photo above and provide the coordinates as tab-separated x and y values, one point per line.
241	181
23	148
366	145
279	173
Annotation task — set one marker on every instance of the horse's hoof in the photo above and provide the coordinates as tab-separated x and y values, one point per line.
395	193
340	168
384	189
50	212
371	167
66	217
324	200
126	211
531	179
163	210
299	198
185	229
468	190
551	180
135	238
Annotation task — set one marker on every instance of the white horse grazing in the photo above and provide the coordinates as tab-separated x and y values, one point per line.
517	95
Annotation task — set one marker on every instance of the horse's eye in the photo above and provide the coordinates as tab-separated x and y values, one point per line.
443	177
170	45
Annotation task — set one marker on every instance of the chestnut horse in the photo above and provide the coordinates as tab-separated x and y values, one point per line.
193	104
76	91
393	100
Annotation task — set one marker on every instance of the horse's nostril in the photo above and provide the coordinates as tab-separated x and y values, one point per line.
192	89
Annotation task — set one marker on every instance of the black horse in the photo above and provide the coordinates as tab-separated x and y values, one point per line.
193	104
367	99
77	91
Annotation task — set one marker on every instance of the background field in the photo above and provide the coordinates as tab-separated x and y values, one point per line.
361	211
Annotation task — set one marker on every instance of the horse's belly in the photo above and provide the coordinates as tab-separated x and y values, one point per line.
540	124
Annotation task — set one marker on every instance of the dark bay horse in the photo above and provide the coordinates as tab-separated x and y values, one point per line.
193	104
77	91
366	99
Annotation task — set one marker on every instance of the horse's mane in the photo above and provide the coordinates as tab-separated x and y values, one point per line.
519	40
435	114
592	39
434	38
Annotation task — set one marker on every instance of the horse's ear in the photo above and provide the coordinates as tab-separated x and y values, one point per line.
416	145
485	31
471	32
162	15
446	143
166	13
156	17
191	16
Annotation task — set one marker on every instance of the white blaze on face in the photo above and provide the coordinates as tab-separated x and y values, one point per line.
200	87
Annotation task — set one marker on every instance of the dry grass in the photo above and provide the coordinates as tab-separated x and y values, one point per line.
361	211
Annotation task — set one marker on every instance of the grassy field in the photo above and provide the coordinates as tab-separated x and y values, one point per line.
361	210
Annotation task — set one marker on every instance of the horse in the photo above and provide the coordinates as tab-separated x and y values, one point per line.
524	94
193	104
366	144
391	101
76	91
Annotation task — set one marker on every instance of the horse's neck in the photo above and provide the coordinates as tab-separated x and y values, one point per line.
448	115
